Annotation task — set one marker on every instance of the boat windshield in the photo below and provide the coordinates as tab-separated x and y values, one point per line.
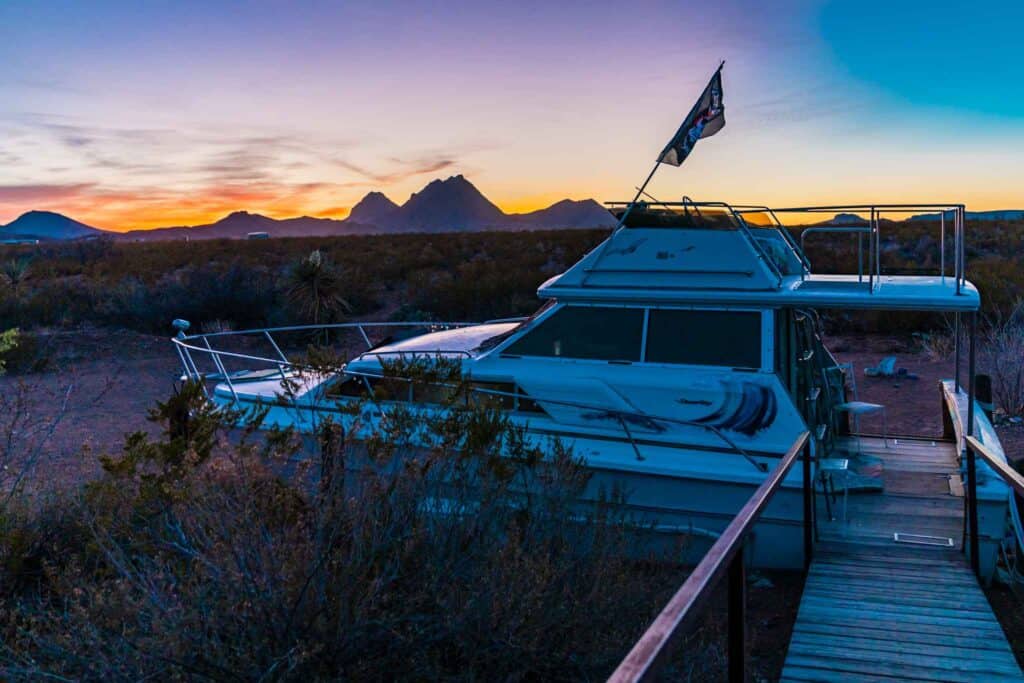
491	342
759	219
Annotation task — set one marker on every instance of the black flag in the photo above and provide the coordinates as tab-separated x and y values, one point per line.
705	119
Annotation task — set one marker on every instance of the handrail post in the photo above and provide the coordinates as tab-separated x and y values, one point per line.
972	474
737	617
808	508
972	511
956	351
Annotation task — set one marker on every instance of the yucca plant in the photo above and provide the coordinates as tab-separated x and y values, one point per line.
316	288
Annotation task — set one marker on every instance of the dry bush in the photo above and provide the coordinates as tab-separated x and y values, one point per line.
31	411
468	557
1002	355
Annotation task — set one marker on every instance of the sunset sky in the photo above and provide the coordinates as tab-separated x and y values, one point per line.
141	114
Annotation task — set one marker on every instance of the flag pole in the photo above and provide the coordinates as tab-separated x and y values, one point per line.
636	198
640	190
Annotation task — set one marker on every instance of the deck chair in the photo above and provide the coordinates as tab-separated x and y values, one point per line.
886	368
856	407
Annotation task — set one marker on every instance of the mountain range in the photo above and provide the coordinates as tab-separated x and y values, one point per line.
450	205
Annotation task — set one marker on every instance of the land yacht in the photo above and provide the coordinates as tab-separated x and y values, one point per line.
679	358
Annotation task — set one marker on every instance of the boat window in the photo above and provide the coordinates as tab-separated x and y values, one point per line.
702	337
491	342
351	386
586	332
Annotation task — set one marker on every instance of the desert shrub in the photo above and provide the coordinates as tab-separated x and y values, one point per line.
315	288
8	342
1002	356
469	556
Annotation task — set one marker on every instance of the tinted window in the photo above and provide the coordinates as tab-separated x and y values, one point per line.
726	338
586	332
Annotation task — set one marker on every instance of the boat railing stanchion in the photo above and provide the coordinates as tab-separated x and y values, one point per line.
221	368
942	246
365	338
277	348
196	375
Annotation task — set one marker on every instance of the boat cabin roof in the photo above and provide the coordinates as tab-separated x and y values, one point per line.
715	254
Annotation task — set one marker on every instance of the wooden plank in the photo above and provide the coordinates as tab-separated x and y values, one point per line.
909	577
968	602
947	638
892	549
930	566
851	586
898	607
874	668
922	658
880	643
837	614
802	673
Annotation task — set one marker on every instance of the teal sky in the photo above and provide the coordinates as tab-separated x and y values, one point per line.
130	115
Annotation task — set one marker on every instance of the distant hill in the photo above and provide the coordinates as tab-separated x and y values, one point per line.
443	205
567	213
1001	215
46	225
845	219
240	223
373	209
450	205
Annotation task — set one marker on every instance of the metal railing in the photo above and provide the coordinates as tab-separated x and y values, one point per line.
735	216
957	213
281	362
949	212
286	369
724	558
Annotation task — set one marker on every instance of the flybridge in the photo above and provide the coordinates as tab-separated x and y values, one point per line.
742	254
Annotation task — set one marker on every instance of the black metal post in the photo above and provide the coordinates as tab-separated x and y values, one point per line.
972	511
808	508
972	474
956	351
737	619
972	330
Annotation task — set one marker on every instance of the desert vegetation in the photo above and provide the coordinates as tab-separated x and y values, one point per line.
195	558
455	276
278	282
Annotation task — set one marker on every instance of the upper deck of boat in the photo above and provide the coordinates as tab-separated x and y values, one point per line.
717	254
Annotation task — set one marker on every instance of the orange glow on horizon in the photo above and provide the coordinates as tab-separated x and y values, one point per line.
126	210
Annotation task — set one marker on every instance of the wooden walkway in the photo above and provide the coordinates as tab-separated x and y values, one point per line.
877	610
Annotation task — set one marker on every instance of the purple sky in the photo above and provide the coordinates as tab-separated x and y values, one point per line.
131	115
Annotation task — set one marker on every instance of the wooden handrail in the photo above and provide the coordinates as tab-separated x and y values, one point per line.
1009	475
725	556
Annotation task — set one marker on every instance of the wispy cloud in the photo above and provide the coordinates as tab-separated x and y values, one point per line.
16	194
128	177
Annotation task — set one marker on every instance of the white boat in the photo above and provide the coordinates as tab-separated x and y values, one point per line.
680	359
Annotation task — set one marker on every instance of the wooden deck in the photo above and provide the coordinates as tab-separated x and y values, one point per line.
876	609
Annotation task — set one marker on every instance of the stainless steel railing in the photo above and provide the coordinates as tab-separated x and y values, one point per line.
188	346
942	212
